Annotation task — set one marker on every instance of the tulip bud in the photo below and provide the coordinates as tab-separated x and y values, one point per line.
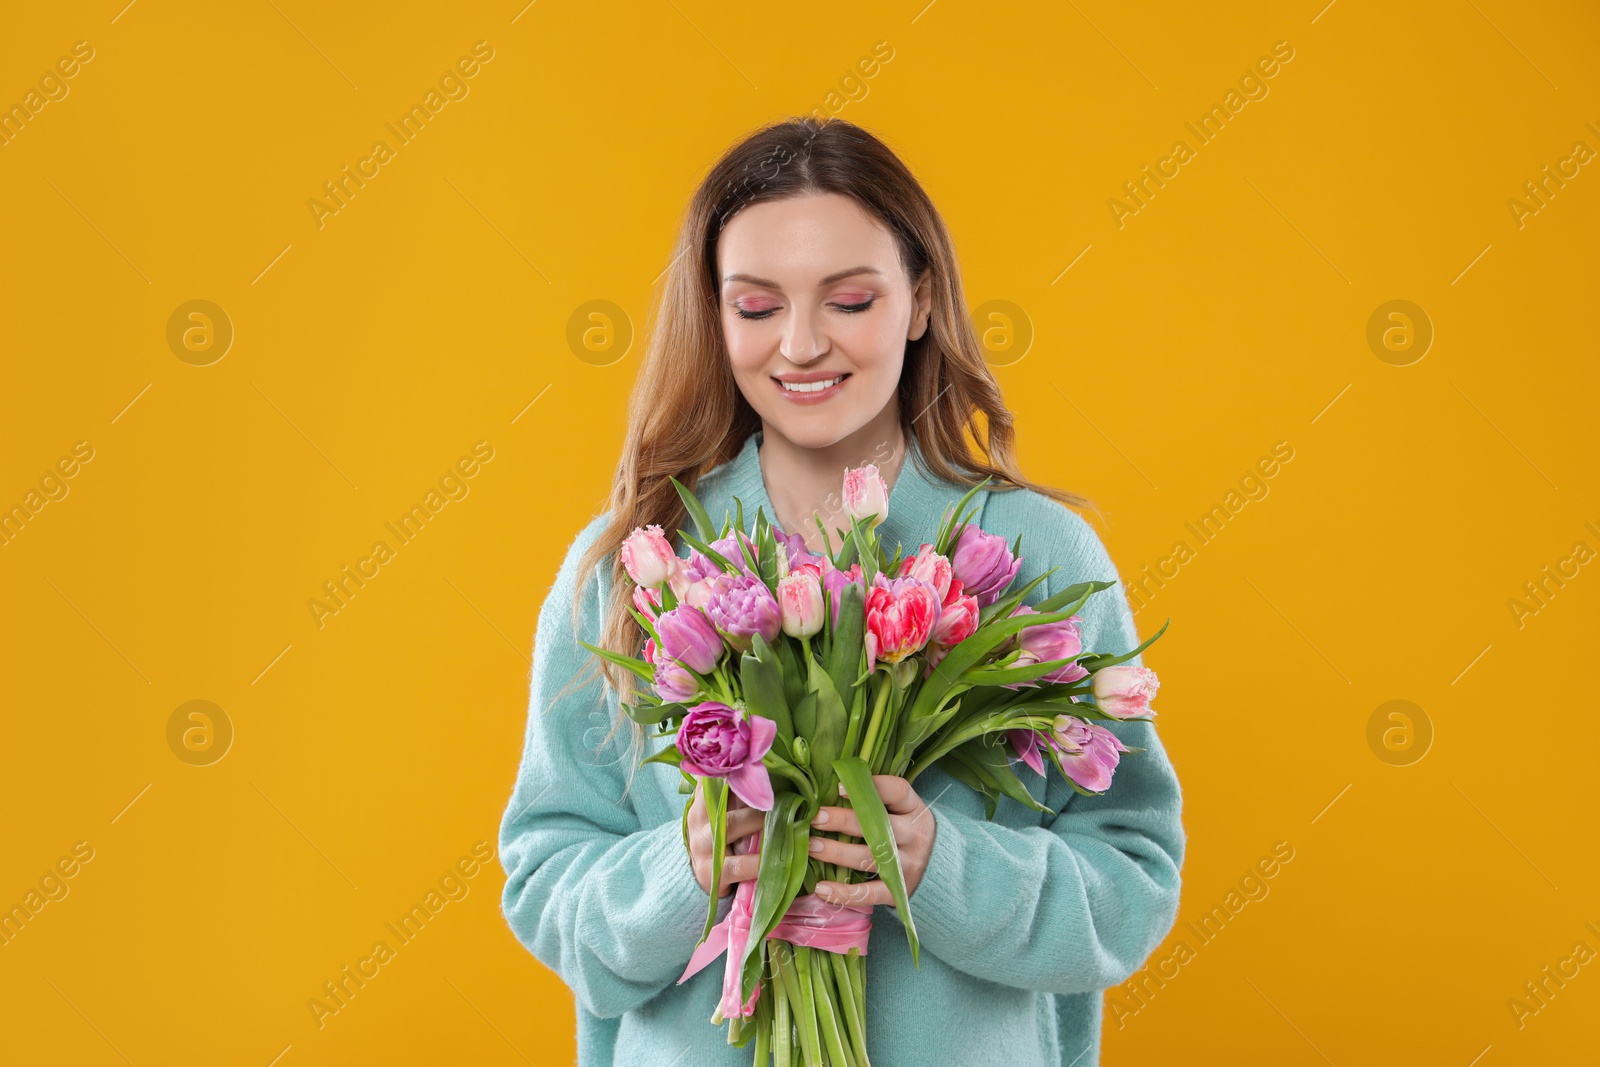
648	557
800	598
802	752
865	495
1124	692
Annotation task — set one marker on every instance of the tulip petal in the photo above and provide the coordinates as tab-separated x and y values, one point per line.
753	785
763	731
1026	742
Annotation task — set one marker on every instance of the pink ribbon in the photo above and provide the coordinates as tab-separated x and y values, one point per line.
809	921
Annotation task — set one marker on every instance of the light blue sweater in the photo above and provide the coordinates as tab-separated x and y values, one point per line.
1023	920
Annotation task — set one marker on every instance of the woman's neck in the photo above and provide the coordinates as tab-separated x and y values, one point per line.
803	481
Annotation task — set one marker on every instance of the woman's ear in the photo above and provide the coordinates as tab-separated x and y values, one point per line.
921	305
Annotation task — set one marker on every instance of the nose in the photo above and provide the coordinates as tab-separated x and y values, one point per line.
802	341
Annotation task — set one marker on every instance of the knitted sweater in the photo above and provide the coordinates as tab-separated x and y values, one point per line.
1023	920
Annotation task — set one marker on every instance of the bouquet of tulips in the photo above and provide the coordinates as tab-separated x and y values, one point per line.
790	678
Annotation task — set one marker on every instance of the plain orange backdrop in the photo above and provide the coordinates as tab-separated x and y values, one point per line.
1168	349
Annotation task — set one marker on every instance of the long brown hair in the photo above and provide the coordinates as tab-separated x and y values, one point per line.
687	415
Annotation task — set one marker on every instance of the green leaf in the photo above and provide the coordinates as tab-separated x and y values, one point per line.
805	716
1072	597
637	666
936	687
948	530
763	688
961	769
992	752
1013	675
1099	663
716	791
650	714
670	754
772	880
709	552
827	740
697	511
844	659
879	835
1003	607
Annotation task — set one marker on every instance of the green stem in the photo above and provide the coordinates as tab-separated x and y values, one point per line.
782	1024
858	972
828	1013
810	1034
870	738
849	1005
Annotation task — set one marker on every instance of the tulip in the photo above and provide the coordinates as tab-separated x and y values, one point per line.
647	600
1048	641
674	683
834	580
984	564
650	651
901	614
958	619
931	567
700	566
1125	692
716	741
865	495
648	557
1086	753
800	599
740	607
688	637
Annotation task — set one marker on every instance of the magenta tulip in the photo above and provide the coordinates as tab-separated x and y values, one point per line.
984	564
717	741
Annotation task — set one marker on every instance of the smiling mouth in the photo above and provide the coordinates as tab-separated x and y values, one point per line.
810	387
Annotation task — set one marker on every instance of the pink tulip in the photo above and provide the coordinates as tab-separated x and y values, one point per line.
901	614
647	601
1045	642
1125	692
865	495
958	619
931	567
800	599
1086	753
674	682
648	557
717	741
984	563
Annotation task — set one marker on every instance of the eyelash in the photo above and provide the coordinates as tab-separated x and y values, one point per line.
848	309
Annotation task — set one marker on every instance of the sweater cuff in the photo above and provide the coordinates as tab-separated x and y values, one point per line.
675	894
938	905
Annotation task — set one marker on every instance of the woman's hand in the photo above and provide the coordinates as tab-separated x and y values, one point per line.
743	821
913	827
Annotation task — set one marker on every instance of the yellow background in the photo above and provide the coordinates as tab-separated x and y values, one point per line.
1228	314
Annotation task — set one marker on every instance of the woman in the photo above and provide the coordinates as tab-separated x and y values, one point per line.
812	320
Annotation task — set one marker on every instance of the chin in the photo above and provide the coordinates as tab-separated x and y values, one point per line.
821	432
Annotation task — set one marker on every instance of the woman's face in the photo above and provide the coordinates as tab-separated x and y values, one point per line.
816	311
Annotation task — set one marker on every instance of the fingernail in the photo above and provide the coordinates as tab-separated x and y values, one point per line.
842	790
820	817
816	844
824	891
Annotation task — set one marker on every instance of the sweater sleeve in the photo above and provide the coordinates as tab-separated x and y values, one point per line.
611	907
1078	903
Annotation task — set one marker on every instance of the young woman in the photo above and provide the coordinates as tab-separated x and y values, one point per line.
813	320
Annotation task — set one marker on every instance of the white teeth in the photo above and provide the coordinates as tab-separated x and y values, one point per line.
810	387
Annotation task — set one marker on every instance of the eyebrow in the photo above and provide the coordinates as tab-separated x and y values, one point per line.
829	280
